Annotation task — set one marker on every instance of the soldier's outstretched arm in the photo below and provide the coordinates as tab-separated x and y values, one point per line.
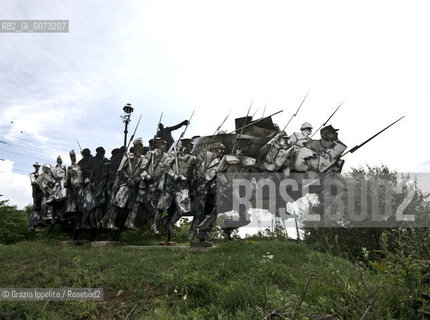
176	127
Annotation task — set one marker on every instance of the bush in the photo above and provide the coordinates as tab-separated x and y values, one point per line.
13	223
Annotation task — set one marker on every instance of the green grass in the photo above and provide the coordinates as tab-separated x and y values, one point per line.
236	280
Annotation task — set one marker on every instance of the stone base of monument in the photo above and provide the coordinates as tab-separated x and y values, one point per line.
73	243
168	244
201	244
105	243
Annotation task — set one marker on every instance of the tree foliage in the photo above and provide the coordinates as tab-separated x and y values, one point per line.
13	223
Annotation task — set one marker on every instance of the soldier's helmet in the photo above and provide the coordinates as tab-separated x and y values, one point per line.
157	143
282	137
101	150
216	146
305	126
186	142
72	155
138	142
46	167
329	133
59	160
329	129
86	152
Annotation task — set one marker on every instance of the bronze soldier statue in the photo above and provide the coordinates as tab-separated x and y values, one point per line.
88	196
58	196
35	218
299	139
145	206
318	154
46	181
204	199
275	155
180	171
232	164
73	184
129	172
99	175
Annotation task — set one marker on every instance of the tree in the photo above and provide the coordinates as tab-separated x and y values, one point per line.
346	240
13	223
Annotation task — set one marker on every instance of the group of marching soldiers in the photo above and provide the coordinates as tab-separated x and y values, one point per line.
161	182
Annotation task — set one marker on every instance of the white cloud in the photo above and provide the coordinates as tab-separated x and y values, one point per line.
13	186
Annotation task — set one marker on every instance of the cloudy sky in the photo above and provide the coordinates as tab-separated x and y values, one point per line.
212	57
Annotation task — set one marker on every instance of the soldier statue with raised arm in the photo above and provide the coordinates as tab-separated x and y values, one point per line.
165	133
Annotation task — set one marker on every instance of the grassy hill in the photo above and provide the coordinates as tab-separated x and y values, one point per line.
236	280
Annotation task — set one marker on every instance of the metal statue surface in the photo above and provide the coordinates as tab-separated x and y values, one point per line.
149	184
180	170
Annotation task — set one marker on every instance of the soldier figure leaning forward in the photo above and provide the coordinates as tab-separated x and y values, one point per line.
299	139
180	171
275	156
35	217
58	195
145	206
45	182
129	177
73	185
204	198
231	165
99	177
319	154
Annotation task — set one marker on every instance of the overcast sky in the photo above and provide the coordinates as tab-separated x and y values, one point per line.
212	57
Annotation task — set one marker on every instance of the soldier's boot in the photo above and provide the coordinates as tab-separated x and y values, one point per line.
84	220
156	221
197	219
175	218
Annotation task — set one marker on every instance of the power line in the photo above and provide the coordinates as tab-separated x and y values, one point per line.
25	155
17	146
38	143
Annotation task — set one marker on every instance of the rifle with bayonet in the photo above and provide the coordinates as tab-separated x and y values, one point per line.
323	125
156	131
176	143
264	110
129	142
222	123
135	129
352	150
298	109
80	148
325	171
